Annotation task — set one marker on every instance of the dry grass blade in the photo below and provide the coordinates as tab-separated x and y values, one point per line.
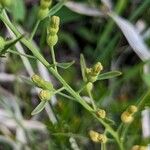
84	9
133	37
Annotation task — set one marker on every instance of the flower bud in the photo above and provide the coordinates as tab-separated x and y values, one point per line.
55	21
126	117
45	3
102	138
41	83
53	31
89	86
101	113
94	136
52	40
42	13
92	73
45	95
89	75
97	68
132	109
2	43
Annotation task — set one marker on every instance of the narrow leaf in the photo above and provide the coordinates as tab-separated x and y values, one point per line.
18	53
39	108
133	37
83	66
9	44
109	75
84	9
26	80
57	7
65	65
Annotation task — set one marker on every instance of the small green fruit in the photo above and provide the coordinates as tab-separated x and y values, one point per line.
42	13
52	40
53	31
45	95
45	4
89	86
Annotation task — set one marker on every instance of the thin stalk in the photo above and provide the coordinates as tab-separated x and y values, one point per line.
17	53
53	58
34	30
66	96
59	90
103	146
78	98
92	100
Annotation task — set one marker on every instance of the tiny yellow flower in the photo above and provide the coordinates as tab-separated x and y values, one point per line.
126	117
101	113
94	136
45	95
132	109
102	138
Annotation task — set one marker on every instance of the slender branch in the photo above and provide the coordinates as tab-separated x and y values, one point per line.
34	30
91	99
53	58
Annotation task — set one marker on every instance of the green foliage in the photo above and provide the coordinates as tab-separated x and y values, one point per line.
93	99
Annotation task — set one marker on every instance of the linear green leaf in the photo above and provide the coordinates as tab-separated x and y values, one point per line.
65	65
56	8
39	108
83	66
9	44
109	75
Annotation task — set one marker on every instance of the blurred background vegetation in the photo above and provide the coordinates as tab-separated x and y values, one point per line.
99	39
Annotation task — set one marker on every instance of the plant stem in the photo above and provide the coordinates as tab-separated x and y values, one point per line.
59	90
103	146
34	30
53	58
30	45
92	100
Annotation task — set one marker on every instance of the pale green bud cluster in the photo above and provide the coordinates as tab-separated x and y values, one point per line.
127	116
47	88
101	113
92	73
2	42
45	95
97	137
44	9
89	86
52	37
6	3
41	83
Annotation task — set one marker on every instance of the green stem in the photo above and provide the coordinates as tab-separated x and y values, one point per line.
17	53
34	30
103	146
92	100
67	96
53	58
59	90
78	98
